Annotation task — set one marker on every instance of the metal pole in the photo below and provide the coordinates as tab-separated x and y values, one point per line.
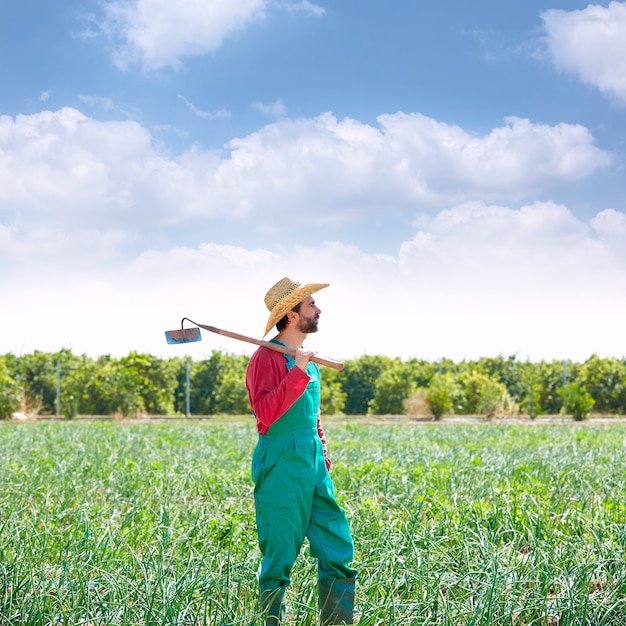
58	388
188	412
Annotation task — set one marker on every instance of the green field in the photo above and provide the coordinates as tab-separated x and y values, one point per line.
135	523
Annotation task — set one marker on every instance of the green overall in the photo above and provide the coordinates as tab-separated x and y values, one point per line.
294	496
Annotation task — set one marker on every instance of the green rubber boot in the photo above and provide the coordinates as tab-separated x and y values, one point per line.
273	607
336	601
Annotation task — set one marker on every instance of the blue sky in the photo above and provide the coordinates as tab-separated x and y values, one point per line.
454	170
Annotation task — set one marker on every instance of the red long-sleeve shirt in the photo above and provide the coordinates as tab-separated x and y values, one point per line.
272	390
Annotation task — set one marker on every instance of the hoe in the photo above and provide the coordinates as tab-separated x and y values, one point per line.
191	335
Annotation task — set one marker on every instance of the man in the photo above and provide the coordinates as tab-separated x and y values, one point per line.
294	494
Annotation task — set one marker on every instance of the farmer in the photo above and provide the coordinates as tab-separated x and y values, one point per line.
293	493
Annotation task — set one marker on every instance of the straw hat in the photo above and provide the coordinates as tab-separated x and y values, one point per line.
284	295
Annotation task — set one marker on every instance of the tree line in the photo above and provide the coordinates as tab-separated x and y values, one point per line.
140	384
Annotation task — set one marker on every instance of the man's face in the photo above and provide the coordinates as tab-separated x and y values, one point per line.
308	316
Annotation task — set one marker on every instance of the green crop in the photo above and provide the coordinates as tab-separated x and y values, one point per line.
153	523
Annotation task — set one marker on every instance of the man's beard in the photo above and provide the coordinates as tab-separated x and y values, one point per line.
308	325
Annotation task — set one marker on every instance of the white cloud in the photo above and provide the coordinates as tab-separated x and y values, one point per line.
305	7
272	109
346	168
53	251
590	43
610	223
108	106
473	280
517	156
534	251
68	171
100	102
158	34
210	115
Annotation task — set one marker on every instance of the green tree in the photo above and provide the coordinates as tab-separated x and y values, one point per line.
9	392
205	378
141	383
481	395
553	376
605	380
135	384
332	395
359	382
179	367
37	374
100	394
506	370
421	372
391	389
151	379
76	375
230	393
123	391
576	400
441	393
530	401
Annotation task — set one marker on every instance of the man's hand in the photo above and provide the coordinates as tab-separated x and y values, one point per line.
303	357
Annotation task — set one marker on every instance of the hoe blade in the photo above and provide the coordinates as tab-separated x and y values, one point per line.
183	335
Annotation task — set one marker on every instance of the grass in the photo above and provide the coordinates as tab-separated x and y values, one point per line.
127	523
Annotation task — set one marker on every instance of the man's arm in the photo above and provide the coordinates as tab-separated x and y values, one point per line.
271	389
322	436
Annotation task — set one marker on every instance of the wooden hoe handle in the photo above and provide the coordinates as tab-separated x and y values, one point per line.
337	365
